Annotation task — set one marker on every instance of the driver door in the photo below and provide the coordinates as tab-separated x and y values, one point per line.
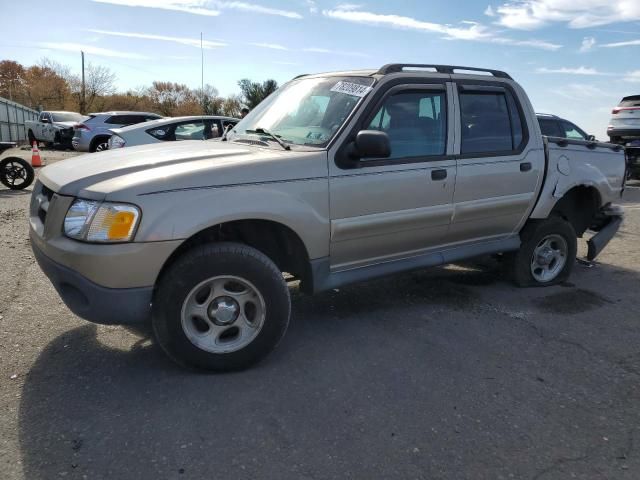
401	206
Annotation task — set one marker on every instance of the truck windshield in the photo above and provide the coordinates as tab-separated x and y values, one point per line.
67	117
308	111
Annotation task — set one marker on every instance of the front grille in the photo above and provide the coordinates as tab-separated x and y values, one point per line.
42	196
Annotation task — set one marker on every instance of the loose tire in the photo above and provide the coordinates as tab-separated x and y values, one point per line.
16	173
547	253
220	307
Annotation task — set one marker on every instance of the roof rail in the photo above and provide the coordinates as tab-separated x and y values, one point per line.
450	69
541	114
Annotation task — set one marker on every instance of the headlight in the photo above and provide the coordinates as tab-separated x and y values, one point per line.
116	142
101	222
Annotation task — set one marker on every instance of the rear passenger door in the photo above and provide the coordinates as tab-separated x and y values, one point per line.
498	171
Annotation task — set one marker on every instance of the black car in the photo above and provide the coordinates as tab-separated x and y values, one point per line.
553	126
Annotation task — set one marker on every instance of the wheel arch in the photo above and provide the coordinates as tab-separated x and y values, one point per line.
276	240
95	140
579	206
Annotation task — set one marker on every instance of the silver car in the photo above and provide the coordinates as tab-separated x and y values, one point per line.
171	129
625	120
93	134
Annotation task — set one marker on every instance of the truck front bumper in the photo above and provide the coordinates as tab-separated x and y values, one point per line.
98	304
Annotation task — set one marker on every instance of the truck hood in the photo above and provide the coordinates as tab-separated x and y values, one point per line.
175	166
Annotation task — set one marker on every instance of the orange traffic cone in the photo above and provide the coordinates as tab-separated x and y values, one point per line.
36	161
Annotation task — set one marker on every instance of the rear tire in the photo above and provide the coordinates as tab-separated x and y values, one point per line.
220	307
99	144
547	253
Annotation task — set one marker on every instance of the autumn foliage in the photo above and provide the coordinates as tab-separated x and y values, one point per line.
52	86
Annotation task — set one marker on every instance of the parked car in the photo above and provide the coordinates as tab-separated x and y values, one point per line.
553	126
625	120
92	135
335	178
632	149
171	129
53	127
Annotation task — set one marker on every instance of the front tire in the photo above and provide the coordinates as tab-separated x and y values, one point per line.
547	253
32	138
220	307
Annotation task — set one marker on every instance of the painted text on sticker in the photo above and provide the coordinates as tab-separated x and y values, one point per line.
349	88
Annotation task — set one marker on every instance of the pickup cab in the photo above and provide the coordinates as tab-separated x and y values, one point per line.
336	178
53	127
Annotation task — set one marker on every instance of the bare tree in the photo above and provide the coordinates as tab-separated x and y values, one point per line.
99	82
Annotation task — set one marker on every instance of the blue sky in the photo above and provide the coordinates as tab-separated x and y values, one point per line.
574	58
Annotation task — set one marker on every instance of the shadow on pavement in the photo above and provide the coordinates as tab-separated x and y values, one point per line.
420	376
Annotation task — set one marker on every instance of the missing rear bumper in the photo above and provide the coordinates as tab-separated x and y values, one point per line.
599	241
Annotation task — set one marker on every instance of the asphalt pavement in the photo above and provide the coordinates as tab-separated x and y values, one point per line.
446	373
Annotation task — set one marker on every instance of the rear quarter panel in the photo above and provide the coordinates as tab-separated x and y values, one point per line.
578	165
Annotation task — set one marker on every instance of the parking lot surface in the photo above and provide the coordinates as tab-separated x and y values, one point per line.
446	373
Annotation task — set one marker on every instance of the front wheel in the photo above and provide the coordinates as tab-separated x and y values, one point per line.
546	255
16	173
221	307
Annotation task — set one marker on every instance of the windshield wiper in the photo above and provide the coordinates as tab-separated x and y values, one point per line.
262	131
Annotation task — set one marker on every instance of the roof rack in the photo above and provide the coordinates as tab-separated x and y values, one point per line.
450	69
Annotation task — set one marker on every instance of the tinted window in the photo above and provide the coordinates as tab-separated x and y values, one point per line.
490	122
67	117
415	122
125	119
571	131
550	128
630	102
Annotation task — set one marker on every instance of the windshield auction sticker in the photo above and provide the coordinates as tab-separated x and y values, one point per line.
349	88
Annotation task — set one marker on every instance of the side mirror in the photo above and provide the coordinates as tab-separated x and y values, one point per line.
372	144
591	138
45	120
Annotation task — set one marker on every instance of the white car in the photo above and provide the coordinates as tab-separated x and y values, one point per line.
625	120
171	129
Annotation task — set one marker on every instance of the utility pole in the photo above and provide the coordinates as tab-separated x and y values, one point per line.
82	91
201	73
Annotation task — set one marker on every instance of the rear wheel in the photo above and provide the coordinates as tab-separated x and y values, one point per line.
546	255
221	307
16	173
100	144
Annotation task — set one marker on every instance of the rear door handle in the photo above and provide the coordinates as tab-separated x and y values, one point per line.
525	167
438	174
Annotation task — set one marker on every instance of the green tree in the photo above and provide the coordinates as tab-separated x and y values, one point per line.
253	92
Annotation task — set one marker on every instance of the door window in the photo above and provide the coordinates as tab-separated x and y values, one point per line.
490	123
550	128
571	131
415	122
189	131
